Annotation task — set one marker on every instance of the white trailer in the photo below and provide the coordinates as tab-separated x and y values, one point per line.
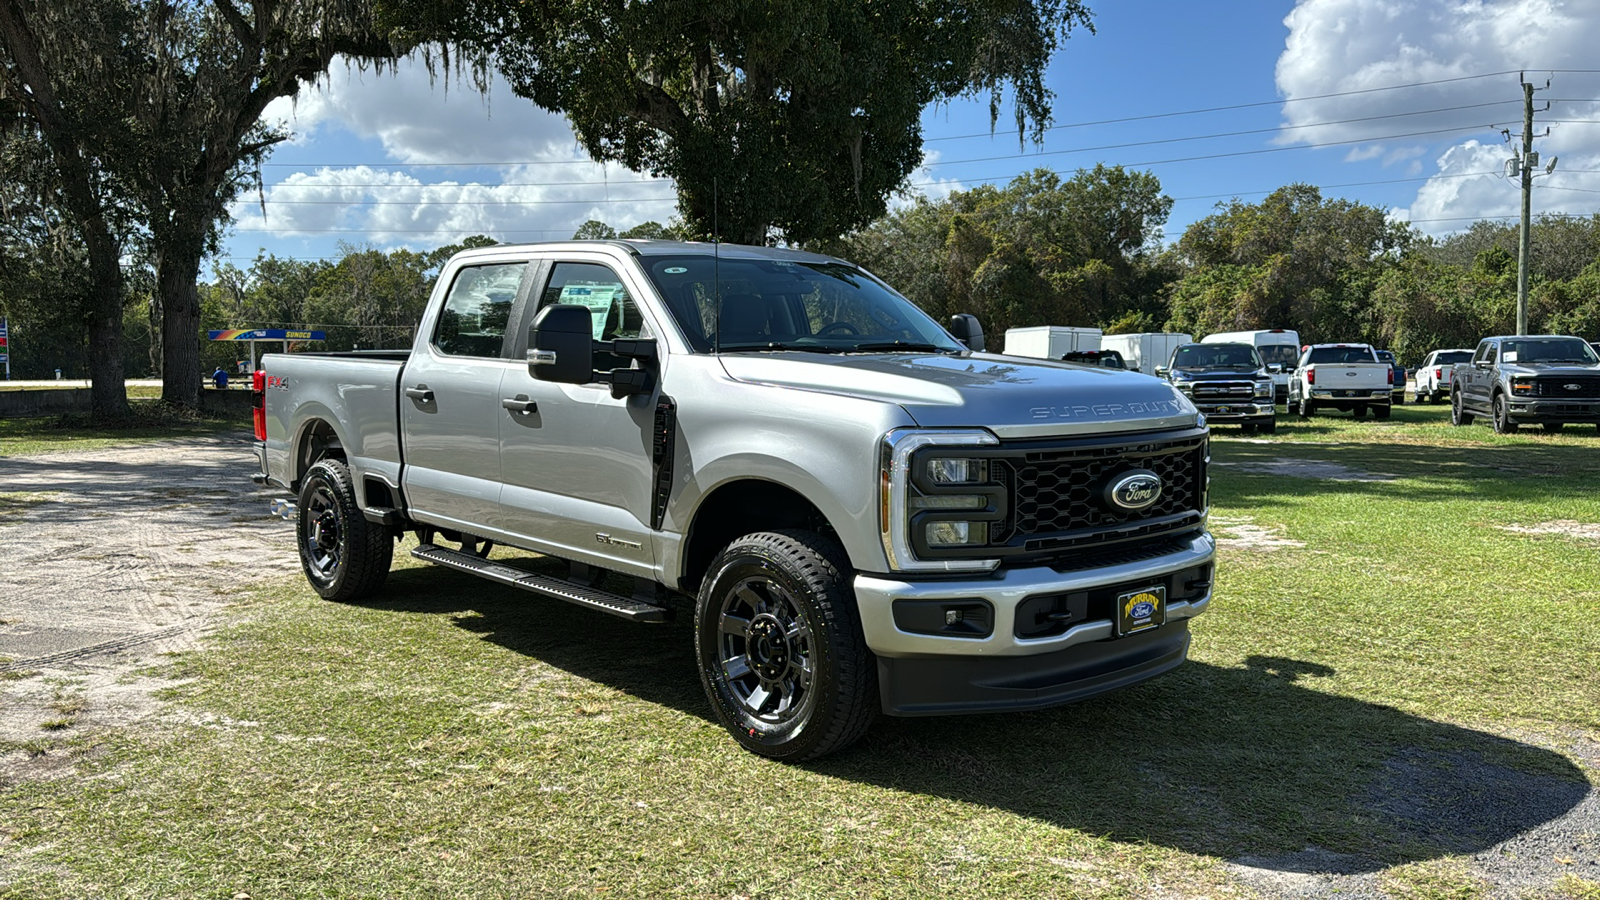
1050	341
1145	351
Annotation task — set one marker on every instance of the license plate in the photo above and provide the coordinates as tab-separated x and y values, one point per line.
1141	609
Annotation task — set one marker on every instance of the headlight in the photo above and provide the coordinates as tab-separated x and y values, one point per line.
951	509
1264	388
1522	386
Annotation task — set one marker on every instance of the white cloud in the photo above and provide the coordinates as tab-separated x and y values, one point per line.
526	177
1351	47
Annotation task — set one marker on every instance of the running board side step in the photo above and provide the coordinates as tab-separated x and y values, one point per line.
582	595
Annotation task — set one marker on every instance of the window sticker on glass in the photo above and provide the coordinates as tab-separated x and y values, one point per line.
675	270
1510	356
598	297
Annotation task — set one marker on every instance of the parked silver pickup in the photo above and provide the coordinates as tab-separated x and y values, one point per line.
862	512
1548	379
1341	376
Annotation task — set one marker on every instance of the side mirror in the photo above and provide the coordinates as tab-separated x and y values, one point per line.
964	327
1161	371
563	344
1274	368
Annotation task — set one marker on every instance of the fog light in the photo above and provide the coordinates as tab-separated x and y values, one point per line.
948	501
957	534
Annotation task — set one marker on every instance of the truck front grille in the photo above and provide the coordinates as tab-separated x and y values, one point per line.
1058	502
1222	390
1558	387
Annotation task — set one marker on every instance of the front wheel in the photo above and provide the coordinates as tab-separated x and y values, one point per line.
1458	415
344	556
1268	427
1381	412
778	638
1502	416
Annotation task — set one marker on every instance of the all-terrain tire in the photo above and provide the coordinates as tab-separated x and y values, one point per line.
344	556
779	642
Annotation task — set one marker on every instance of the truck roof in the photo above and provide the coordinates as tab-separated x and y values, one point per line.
640	247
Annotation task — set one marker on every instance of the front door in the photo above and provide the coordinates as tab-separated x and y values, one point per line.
450	402
577	469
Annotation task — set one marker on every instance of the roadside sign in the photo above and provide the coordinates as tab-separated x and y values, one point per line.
5	341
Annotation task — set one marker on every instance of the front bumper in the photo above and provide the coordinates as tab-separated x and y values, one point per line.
1259	410
1586	410
930	674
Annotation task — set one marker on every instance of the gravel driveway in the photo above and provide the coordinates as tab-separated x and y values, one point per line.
111	558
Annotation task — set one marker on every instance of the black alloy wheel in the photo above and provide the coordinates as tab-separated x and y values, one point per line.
1502	416
779	642
1458	414
344	556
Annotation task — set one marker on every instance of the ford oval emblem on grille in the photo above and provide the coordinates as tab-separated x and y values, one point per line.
1133	491
1573	387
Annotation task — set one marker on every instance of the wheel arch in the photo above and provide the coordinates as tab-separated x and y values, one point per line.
316	439
741	507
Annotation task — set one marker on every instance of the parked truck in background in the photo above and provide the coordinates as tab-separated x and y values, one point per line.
1277	347
1346	377
1432	379
1145	352
862	514
1050	341
1545	379
1227	382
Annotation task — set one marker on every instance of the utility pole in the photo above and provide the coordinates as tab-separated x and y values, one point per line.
1523	165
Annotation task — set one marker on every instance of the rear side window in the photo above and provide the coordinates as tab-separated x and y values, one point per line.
1341	355
475	315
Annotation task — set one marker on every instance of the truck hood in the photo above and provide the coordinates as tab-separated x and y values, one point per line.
1011	396
1536	368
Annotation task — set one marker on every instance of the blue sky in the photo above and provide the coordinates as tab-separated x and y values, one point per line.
1404	100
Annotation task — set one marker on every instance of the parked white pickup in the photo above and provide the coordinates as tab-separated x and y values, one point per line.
1341	376
1433	376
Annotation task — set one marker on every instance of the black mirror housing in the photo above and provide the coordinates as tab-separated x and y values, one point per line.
965	328
563	344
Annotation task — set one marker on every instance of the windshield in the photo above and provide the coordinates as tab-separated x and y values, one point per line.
775	304
1548	350
1216	356
1279	354
1451	357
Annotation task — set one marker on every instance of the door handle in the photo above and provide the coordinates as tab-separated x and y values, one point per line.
420	393
520	404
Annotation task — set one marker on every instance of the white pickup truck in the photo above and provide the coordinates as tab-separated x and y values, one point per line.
1346	377
1433	376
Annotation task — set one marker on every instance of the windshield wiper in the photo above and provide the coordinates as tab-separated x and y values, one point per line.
779	345
897	345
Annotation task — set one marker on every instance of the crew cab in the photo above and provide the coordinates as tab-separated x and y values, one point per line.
1398	380
1433	376
861	512
1227	382
1346	377
1546	379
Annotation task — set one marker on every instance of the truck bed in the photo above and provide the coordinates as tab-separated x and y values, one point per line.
359	390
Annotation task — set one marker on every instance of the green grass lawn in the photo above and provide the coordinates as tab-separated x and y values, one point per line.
1388	659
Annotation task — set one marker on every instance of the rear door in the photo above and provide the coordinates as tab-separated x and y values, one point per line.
450	398
578	469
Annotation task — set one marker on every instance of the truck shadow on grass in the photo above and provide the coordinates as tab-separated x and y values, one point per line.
1208	760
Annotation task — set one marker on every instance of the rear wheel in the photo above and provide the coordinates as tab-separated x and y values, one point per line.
1360	410
1307	407
1380	412
1502	416
344	556
778	638
1458	415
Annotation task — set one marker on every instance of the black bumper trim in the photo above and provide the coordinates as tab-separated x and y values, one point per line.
944	685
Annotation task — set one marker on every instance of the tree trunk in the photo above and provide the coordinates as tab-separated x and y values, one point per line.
108	389
177	270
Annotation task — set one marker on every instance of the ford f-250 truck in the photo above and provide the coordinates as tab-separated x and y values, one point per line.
862	513
1341	376
1545	378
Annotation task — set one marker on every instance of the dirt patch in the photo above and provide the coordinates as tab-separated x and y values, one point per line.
1240	533
1305	468
118	555
1568	527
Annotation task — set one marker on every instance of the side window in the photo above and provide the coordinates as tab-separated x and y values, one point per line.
1483	352
477	310
615	313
